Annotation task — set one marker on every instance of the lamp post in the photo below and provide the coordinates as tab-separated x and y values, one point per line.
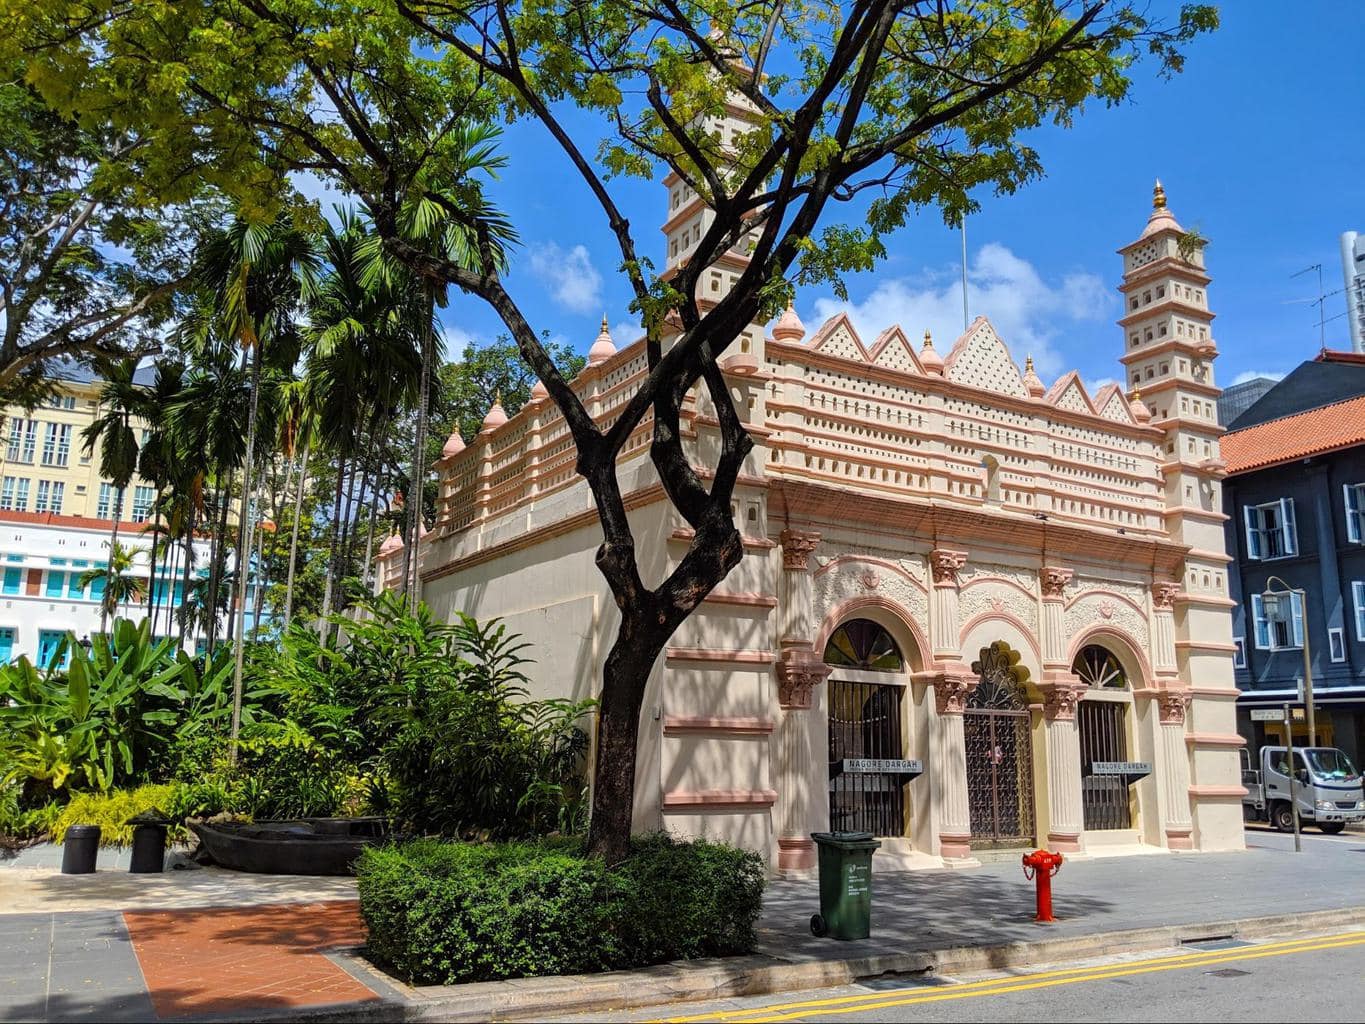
1270	601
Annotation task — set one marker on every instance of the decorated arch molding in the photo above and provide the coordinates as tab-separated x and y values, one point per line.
1125	647
897	621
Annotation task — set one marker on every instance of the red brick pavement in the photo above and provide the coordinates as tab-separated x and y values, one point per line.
227	960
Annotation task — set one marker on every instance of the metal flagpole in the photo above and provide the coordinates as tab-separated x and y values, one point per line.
963	225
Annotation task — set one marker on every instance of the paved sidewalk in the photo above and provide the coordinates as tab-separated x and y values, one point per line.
213	945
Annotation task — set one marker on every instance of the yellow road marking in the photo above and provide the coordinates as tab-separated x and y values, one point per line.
1042	979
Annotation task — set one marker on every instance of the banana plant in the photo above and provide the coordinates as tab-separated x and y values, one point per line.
82	727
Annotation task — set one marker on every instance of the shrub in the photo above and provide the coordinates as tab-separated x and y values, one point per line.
444	913
19	824
111	811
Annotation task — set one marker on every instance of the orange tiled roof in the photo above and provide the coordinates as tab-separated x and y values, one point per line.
1339	425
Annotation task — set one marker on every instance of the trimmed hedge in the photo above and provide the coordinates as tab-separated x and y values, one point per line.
442	913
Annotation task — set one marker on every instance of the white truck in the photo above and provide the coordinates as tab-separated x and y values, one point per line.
1329	792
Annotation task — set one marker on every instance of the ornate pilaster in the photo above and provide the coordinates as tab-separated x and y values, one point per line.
799	672
796	625
1175	776
1164	662
1054	581
945	566
1066	816
951	690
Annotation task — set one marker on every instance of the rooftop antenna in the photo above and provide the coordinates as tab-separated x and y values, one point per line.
1319	302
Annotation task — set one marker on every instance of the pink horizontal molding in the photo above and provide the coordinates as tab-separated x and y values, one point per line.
1218	791
1215	692
723	656
1214	739
1205	600
742	599
704	799
1205	645
753	725
686	533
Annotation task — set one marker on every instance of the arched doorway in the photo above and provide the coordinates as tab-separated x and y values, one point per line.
1102	720
866	689
997	731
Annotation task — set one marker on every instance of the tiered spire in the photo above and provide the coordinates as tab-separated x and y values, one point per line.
603	348
497	415
928	357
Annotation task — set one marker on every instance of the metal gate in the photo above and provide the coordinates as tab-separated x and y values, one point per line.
865	722
1104	737
999	751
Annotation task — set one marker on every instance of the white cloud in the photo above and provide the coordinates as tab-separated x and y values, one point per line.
625	332
1000	285
1094	387
454	340
572	279
1247	375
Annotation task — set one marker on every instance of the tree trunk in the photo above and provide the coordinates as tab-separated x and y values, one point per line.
624	678
244	553
185	571
109	567
217	559
294	541
366	582
151	569
332	559
419	458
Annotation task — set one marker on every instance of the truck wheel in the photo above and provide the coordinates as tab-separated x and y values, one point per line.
1282	817
1331	828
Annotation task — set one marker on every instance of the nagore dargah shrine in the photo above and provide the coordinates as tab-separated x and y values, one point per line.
977	611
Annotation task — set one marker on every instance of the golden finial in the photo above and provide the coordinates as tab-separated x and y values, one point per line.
928	341
1158	196
497	397
1135	395
604	321
1028	364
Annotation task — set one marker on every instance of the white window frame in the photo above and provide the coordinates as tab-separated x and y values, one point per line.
58	497
1358	598
1266	636
1353	499
1336	645
44	491
1239	655
143	499
1260	539
50	431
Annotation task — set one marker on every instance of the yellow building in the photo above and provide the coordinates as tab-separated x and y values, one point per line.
45	465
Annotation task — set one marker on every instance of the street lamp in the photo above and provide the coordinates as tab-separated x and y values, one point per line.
1270	602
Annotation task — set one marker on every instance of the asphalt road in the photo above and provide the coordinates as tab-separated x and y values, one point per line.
1297	978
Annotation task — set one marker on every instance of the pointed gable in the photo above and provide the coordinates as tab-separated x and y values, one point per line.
1113	406
893	351
836	337
979	359
1069	393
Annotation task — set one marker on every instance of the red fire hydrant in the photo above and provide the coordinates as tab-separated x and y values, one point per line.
1041	865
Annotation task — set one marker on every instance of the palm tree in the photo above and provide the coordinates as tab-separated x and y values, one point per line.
120	399
255	275
159	462
121	586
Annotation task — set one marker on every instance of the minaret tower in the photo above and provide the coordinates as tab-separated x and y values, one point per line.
1168	354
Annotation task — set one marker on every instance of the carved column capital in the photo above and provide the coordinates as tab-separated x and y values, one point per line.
946	565
799	671
1059	703
1173	705
1054	581
1164	593
951	690
797	546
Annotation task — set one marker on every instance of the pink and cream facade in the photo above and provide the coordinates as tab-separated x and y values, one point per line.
975	611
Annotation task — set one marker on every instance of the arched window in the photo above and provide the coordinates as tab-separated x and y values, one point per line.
862	643
1097	667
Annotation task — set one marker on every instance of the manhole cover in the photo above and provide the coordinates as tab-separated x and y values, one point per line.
1228	972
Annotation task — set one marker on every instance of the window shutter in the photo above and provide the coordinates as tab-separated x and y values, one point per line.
1351	494
1253	538
1296	603
1287	529
1262	627
1358	593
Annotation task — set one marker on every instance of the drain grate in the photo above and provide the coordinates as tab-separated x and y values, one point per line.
1226	942
1228	972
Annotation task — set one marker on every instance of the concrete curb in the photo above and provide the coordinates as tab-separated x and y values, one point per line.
703	980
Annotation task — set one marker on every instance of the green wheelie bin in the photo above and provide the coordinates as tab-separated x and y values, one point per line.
845	884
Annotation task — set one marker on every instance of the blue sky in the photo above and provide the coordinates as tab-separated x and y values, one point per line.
1260	144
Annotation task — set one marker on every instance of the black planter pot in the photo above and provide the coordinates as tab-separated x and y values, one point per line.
149	849
79	848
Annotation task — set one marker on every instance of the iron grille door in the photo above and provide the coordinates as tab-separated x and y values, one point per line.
1104	737
999	777
865	722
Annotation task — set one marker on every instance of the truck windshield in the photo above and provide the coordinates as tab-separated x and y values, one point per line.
1328	763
